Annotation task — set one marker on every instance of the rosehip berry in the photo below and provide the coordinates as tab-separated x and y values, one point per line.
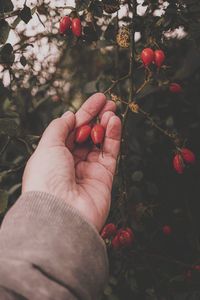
178	164
82	134
108	231
167	230
97	134
188	156
188	275
115	243
175	88
65	24
159	57
126	237
147	56
76	27
196	268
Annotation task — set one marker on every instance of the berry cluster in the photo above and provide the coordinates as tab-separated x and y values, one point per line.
96	133
157	57
149	56
67	24
120	239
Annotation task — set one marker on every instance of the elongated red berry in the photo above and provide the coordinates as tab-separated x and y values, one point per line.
108	231
167	230
97	134
115	243
126	237
175	88
65	24
178	163
188	156
76	27
147	56
82	134
196	268
159	57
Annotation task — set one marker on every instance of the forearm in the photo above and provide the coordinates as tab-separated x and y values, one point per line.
48	251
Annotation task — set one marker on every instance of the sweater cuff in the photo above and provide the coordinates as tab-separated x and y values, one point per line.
51	234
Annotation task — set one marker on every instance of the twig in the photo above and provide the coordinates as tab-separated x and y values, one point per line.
29	148
115	82
6	145
4	16
172	136
142	86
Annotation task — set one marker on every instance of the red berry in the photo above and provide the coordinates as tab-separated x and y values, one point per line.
108	231
159	57
175	88
126	237
97	134
188	275
178	164
167	230
147	56
82	134
196	268
188	156
115	243
65	24
76	27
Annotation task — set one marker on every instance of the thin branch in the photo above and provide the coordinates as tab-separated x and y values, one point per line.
115	82
172	136
5	146
4	16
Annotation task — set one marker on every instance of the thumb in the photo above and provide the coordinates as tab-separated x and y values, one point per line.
58	130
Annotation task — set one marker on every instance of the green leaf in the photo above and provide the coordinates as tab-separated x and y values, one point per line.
4	31
9	127
3	201
25	14
96	9
6	6
6	54
23	60
82	4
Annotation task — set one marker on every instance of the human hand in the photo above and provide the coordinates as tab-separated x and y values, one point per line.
81	175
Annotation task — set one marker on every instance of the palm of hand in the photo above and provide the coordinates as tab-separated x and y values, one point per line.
81	175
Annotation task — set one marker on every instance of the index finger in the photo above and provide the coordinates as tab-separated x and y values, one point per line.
90	109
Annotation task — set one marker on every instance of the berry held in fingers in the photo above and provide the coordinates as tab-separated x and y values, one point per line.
97	134
82	134
65	24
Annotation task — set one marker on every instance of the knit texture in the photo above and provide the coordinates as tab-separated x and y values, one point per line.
49	251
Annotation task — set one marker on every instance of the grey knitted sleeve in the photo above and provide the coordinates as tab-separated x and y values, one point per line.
48	251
